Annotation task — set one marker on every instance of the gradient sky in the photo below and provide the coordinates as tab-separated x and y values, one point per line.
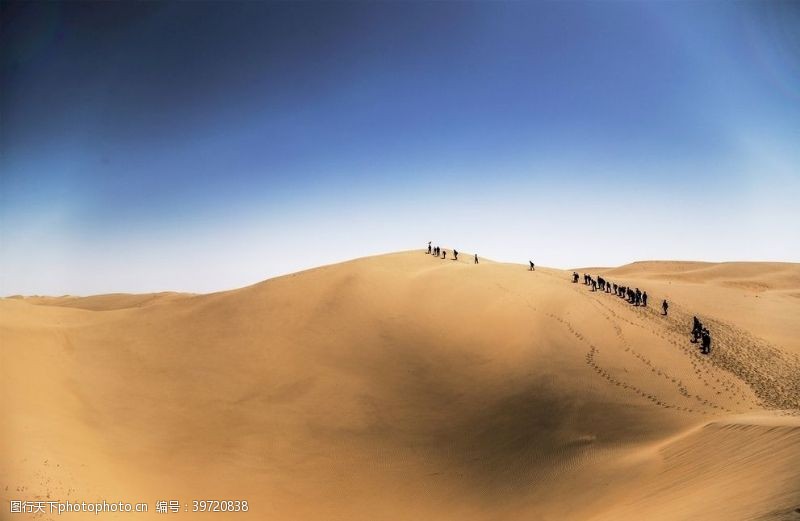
204	146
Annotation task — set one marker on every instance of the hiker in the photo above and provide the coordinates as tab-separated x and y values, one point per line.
476	258
531	268
665	307
638	297
644	299
444	254
455	254
697	330
429	247
706	346
574	277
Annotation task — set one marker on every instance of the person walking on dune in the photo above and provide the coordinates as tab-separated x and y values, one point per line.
532	268
665	307
697	329
455	255
706	345
444	254
476	258
429	247
574	277
644	299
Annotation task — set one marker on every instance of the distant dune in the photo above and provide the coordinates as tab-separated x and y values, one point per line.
405	387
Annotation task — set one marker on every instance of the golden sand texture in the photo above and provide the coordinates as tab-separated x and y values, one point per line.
405	387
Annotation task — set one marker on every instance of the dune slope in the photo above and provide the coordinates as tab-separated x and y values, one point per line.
408	387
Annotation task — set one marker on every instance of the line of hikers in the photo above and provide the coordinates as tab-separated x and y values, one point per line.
438	252
633	295
639	298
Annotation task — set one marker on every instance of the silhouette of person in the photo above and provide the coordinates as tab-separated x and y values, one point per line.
476	258
665	306
429	247
706	345
455	254
697	330
574	277
531	268
444	254
644	299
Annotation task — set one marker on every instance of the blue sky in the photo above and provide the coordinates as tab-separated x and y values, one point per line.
203	146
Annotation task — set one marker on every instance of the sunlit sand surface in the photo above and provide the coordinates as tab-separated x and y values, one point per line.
408	387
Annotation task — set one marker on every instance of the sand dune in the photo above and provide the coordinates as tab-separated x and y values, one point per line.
408	387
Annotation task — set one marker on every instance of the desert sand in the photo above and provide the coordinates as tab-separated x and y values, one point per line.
405	387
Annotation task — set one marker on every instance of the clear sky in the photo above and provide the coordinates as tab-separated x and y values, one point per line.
202	146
